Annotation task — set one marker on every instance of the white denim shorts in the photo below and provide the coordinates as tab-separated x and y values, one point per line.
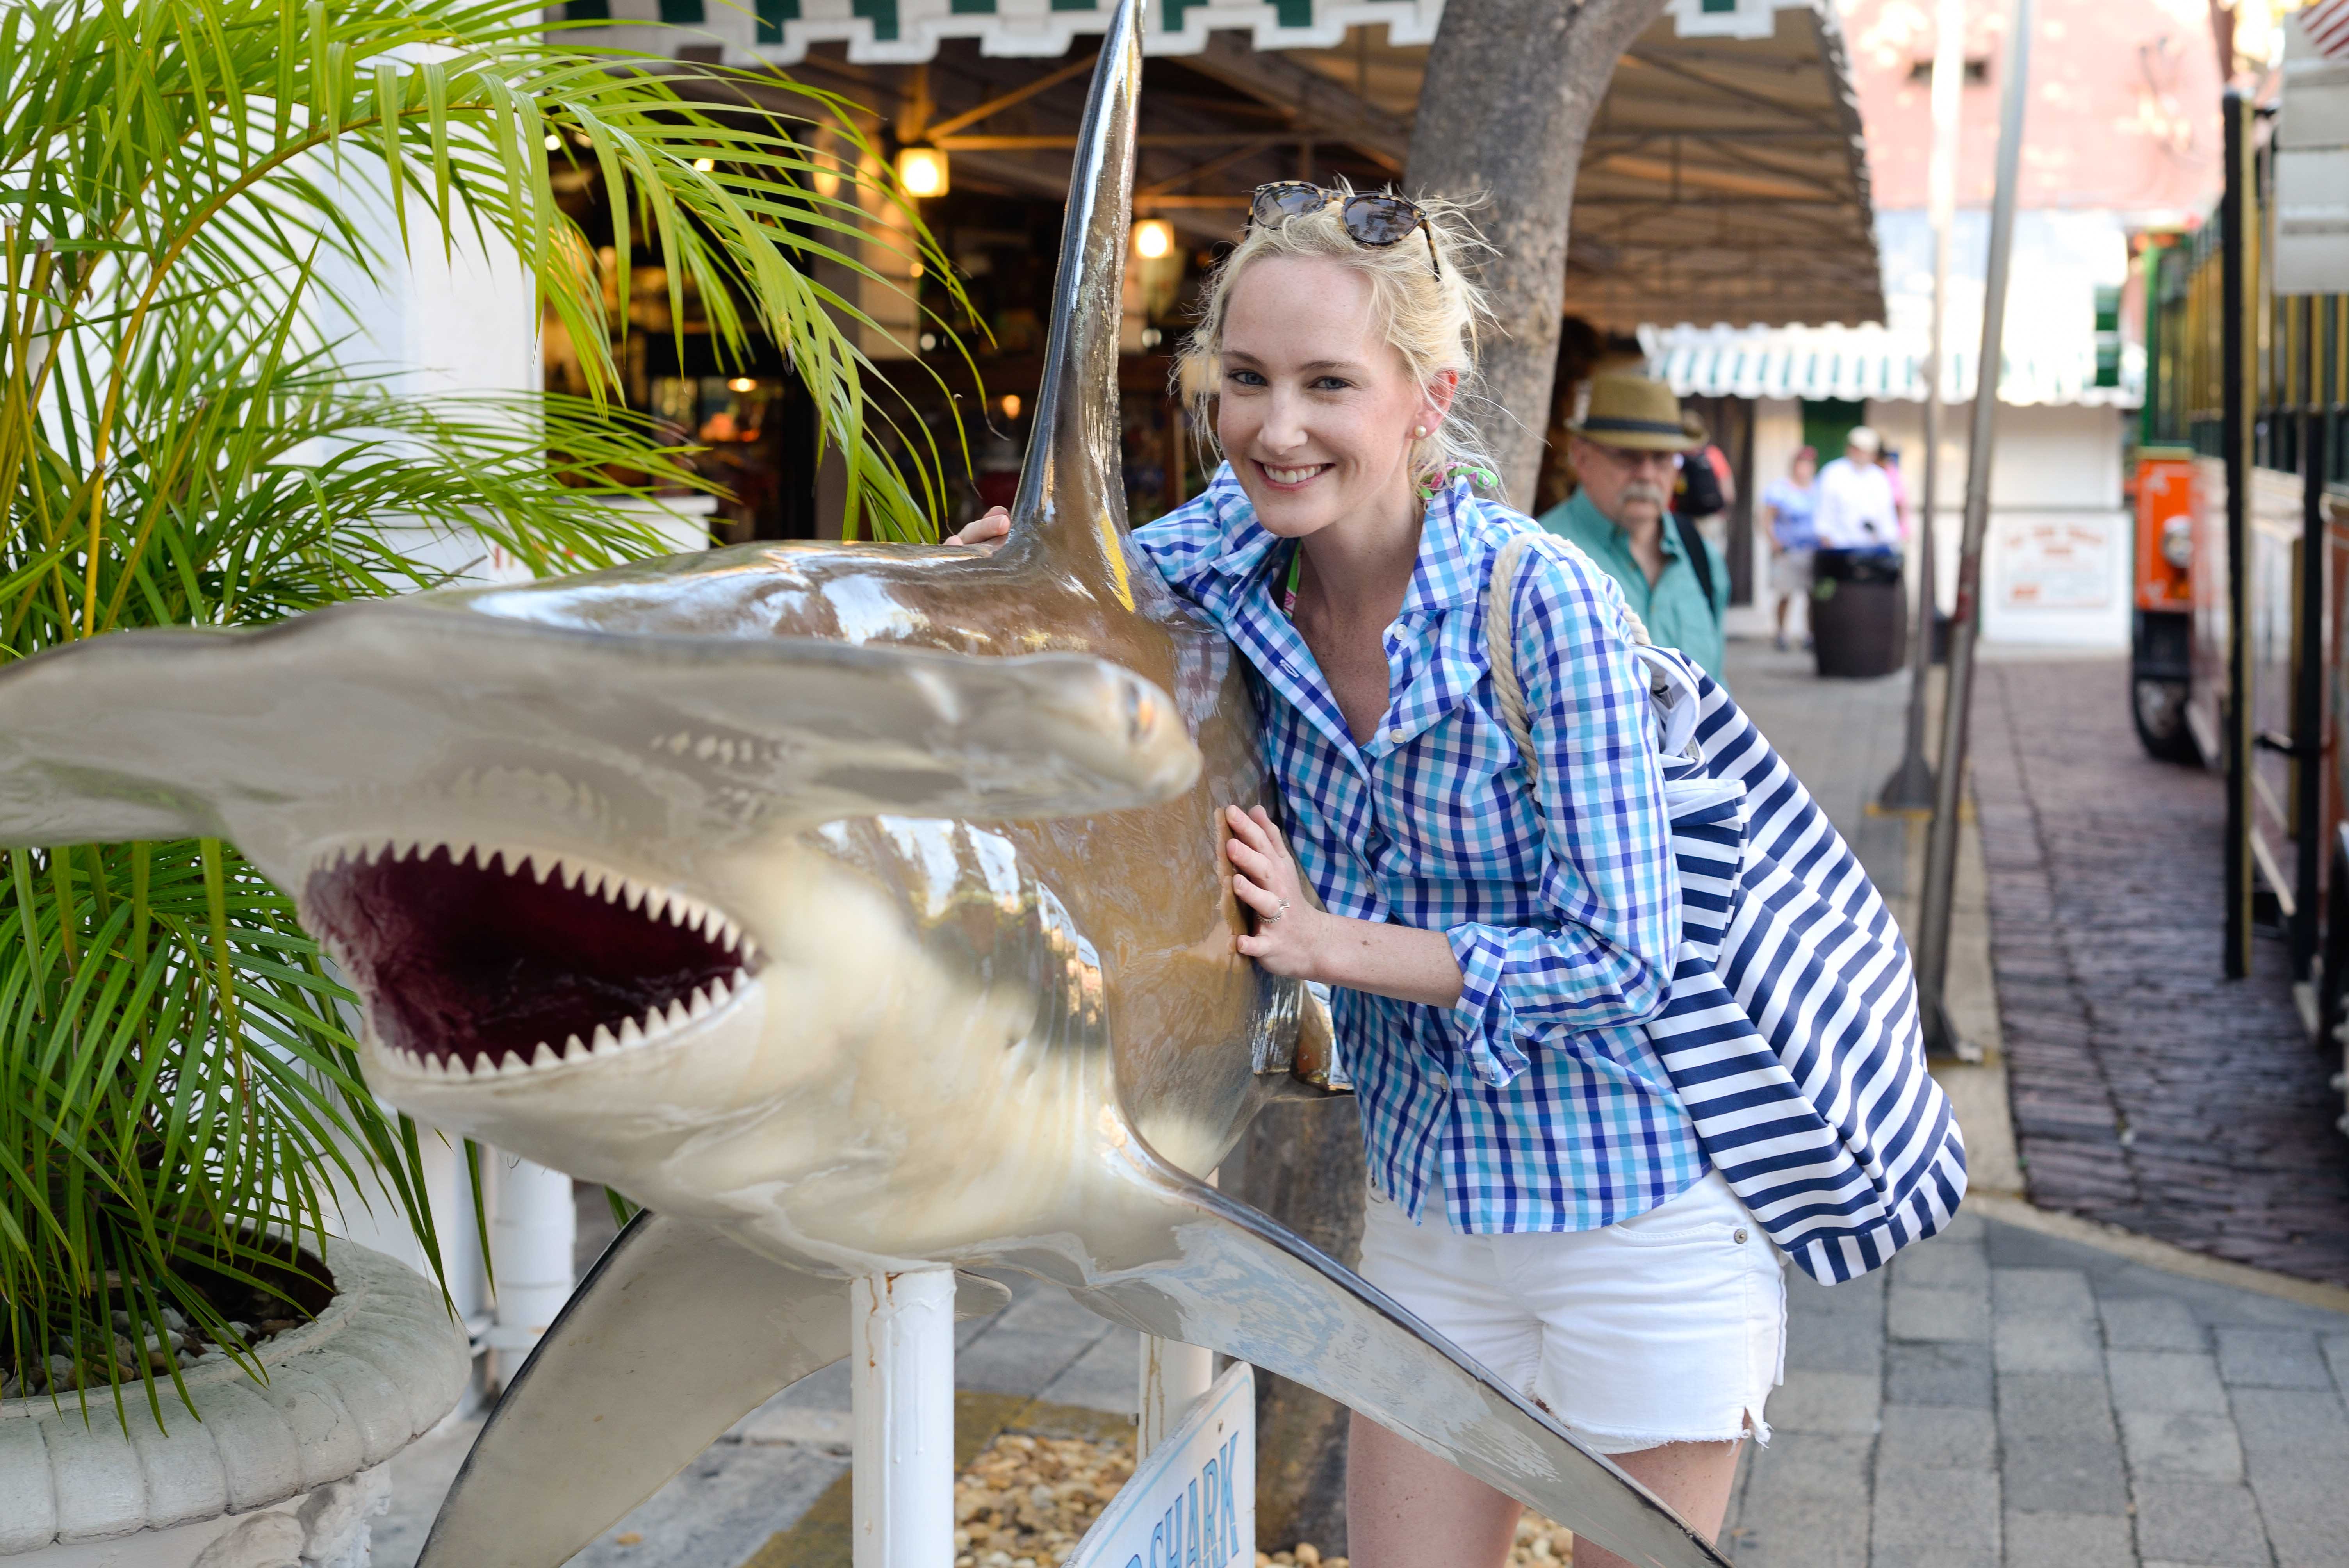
1667	1327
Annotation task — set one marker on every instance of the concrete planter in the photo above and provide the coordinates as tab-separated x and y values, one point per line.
282	1476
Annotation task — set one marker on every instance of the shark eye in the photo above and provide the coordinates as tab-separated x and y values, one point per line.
1140	711
474	963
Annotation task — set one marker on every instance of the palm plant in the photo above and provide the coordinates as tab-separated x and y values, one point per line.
180	1099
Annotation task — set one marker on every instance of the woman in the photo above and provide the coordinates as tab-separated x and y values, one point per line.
1788	509
1537	1193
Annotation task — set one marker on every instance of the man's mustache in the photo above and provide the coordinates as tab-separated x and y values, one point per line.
1639	490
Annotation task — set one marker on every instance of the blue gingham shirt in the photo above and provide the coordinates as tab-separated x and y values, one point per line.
1535	1101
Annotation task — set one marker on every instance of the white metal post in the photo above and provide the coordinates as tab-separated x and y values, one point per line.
1173	1375
533	1231
901	1340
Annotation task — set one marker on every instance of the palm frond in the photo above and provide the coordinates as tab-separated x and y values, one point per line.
188	189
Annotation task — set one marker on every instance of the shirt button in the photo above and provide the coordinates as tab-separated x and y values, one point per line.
1395	736
1739	1237
1441	1081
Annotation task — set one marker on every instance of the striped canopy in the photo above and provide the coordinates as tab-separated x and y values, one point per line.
907	31
1861	363
1725	177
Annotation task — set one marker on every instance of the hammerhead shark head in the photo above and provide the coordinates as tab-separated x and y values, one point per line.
854	908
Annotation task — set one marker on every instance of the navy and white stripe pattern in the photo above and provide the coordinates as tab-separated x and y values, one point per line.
1790	1029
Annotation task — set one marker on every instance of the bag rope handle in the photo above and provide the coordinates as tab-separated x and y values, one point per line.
1501	647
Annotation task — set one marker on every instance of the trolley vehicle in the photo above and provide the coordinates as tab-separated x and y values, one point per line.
2241	483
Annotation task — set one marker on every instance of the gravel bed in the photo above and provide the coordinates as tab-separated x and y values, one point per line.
1026	1501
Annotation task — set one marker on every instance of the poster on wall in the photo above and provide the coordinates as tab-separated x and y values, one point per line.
2055	564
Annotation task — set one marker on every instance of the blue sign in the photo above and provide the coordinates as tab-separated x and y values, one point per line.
1192	1504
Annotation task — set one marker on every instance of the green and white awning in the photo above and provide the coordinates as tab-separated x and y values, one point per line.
1725	180
907	31
1877	364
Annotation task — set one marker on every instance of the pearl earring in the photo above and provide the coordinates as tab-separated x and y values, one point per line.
1420	431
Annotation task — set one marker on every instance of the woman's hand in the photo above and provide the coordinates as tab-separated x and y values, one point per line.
1266	880
987	532
1299	940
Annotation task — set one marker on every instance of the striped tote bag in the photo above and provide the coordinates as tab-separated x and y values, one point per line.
1791	1029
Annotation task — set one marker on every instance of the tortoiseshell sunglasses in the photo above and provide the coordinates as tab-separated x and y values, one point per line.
1375	221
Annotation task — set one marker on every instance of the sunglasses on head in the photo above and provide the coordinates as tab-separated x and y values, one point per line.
1374	220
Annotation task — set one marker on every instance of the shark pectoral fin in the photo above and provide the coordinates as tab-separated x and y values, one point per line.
158	733
1218	1273
675	1335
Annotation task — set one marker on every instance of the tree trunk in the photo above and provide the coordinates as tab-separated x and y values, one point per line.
1511	88
1302	1162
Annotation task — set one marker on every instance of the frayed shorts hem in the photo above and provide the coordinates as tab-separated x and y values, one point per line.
1614	1444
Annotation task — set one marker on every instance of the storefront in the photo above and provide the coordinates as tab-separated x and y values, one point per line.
1730	130
2056	563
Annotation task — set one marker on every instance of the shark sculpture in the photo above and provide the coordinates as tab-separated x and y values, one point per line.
854	908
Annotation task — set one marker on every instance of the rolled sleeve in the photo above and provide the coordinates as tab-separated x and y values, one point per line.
1607	876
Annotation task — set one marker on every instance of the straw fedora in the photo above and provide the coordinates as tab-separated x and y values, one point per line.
1634	412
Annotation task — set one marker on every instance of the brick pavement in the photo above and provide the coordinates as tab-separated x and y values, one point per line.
2147	1091
2010	1399
1998	1398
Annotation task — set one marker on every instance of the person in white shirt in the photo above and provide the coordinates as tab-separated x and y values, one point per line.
1855	509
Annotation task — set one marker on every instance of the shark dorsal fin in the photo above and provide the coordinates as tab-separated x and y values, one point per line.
1071	513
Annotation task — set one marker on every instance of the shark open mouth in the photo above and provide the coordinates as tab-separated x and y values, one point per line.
478	961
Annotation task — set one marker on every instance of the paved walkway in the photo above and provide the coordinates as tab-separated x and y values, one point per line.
2009	1399
2002	1397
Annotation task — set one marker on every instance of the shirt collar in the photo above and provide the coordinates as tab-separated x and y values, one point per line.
1442	578
1668	537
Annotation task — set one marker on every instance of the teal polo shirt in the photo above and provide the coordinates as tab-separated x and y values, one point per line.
1676	609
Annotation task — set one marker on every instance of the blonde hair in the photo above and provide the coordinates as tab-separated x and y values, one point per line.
1433	322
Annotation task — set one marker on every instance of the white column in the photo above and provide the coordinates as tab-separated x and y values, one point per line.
534	1230
900	1355
1173	1375
428	320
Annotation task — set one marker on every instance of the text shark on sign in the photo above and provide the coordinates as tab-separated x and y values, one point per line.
1191	1501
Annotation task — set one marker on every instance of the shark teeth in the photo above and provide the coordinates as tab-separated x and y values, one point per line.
656	902
657	1028
650	900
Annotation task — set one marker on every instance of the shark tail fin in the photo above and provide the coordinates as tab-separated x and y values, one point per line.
674	1335
1070	516
1216	1273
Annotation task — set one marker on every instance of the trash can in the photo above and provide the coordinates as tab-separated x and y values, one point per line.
1859	614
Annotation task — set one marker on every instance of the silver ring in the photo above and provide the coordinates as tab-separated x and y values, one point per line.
1276	915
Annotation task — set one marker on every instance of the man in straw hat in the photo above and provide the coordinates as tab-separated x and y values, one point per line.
1626	451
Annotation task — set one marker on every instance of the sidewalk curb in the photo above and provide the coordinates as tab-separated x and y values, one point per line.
2164	1255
